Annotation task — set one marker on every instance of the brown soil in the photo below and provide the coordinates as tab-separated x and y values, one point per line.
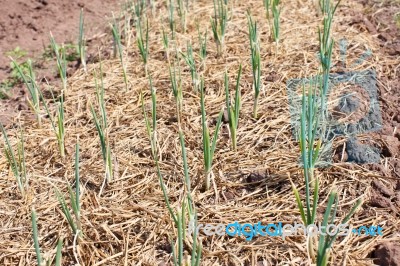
27	25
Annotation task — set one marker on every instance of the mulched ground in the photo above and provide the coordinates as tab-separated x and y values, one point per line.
128	223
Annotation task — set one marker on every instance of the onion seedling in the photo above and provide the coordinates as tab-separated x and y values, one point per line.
61	61
182	14
187	206
233	111
176	84
326	240
151	129
190	61
267	6
203	47
82	41
59	125
74	200
171	18
165	42
325	51
102	128
16	161
39	258
143	43
218	24
139	8
276	24
118	47
33	88
255	61
208	151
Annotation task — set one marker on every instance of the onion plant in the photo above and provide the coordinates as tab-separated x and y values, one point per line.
139	8
176	84
187	208
202	47
233	111
208	146
39	259
118	47
32	86
57	121
82	41
276	23
102	128
255	61
165	42
218	24
16	161
267	6
61	61
151	128
325	51
75	224
190	61
143	43
182	14
310	149
171	18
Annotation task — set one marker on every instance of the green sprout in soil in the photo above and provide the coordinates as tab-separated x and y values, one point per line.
28	76
57	121
39	258
102	128
208	146
187	205
82	41
171	18
202	47
233	111
165	42
143	43
267	6
75	224
139	8
255	61
176	84
190	61
218	24
310	149
16	161
61	61
276	25
182	14
118	48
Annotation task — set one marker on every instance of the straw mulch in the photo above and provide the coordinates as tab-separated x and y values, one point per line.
126	222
